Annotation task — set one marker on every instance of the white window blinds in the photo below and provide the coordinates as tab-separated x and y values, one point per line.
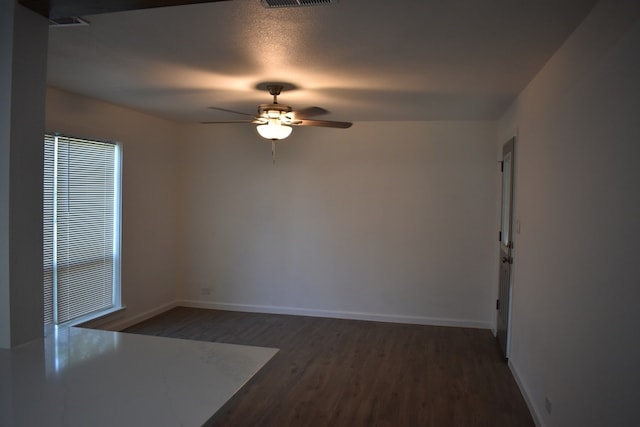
81	228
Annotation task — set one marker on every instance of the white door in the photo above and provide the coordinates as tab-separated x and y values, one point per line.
506	245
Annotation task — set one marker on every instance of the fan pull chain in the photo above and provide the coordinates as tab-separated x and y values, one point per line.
273	151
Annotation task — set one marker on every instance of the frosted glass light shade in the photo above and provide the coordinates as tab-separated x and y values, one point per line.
274	130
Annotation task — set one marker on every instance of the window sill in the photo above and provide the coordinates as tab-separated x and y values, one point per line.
95	320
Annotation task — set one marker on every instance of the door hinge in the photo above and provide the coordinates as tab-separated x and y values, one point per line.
497	304
499	236
501	165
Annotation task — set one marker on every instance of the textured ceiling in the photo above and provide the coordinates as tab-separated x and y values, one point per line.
361	59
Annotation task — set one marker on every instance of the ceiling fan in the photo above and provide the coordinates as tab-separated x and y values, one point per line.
275	120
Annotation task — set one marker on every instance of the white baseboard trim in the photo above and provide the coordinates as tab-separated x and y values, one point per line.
527	396
390	318
119	324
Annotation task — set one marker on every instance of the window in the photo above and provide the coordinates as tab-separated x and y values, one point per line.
81	229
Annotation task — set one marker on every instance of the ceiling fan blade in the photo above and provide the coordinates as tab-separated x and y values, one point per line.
309	112
324	123
230	111
230	121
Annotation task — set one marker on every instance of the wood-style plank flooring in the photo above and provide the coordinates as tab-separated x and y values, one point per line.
334	372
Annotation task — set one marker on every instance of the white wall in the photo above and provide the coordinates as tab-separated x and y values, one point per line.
23	55
388	221
149	185
576	334
6	62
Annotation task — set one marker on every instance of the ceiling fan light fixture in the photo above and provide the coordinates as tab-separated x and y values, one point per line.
273	114
274	121
274	130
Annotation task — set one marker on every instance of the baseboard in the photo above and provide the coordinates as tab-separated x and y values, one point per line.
537	419
120	324
390	318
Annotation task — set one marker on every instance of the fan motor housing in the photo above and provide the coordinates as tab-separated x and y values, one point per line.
270	110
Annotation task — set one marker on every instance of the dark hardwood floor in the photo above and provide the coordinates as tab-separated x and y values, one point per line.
333	372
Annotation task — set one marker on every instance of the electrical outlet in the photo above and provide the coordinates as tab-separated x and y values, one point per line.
547	405
205	291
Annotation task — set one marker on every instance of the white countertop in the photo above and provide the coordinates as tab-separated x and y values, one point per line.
85	377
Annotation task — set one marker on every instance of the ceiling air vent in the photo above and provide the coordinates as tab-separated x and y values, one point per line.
295	3
72	21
